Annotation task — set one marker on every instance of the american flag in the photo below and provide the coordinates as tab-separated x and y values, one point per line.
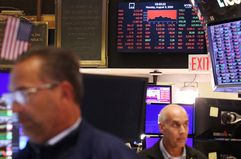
16	38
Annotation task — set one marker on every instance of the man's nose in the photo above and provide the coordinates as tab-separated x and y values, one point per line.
182	129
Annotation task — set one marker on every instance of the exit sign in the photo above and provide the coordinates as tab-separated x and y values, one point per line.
199	63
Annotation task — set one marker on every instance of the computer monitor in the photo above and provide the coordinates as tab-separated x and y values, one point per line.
225	53
157	42
159	94
151	119
4	82
8	137
115	104
150	141
217	118
158	27
219	149
12	137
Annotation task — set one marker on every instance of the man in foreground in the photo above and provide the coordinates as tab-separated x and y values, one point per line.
173	124
47	92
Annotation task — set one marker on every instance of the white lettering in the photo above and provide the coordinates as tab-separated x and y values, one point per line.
230	2
220	4
225	3
237	1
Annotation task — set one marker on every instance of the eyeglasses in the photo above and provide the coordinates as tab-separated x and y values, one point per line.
22	96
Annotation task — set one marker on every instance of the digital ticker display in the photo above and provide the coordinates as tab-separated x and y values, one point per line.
159	27
225	42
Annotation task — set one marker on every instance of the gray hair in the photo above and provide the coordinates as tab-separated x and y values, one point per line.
58	65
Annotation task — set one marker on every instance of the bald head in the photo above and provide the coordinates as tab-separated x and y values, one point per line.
173	124
171	109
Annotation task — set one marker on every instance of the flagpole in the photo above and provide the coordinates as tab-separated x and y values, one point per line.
39	8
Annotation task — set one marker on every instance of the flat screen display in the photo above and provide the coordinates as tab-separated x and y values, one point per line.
217	118
115	104
159	27
4	82
151	120
158	94
7	141
153	140
225	51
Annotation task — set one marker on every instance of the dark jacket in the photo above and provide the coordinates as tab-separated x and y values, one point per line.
84	143
155	153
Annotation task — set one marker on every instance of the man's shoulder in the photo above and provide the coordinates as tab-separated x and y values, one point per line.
98	136
151	153
101	143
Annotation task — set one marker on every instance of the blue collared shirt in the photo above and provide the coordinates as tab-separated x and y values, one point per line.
64	133
166	155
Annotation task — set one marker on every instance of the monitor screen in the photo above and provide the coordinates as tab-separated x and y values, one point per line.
115	104
151	120
4	82
159	94
158	27
8	141
150	141
11	136
217	118
225	51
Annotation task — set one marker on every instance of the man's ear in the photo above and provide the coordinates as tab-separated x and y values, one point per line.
67	91
161	127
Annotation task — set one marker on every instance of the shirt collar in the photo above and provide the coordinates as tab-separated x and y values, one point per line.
168	156
64	133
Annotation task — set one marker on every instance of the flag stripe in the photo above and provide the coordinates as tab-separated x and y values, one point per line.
5	39
9	37
14	36
16	49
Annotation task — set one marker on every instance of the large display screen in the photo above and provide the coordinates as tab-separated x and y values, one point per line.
115	104
152	111
225	51
159	94
159	27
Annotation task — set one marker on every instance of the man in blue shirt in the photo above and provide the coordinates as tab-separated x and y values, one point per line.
47	92
173	124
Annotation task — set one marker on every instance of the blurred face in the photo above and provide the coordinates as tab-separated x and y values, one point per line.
175	129
37	113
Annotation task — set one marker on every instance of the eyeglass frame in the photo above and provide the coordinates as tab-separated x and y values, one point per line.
21	96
